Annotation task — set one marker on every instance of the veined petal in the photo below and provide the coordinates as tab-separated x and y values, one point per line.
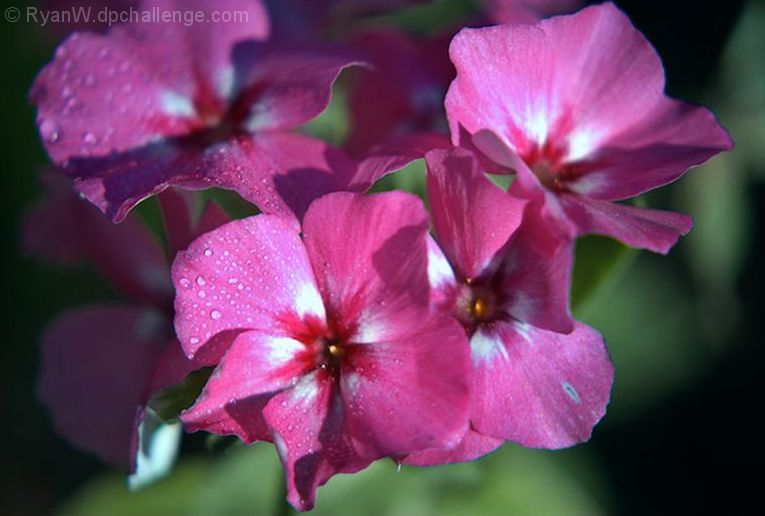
369	255
655	230
96	367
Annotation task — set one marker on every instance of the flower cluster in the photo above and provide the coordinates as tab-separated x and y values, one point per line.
339	326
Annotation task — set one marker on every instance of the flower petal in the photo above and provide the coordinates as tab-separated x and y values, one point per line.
370	259
149	74
255	367
673	137
473	219
96	367
419	382
537	270
504	82
538	388
472	446
293	84
309	430
655	230
248	274
278	172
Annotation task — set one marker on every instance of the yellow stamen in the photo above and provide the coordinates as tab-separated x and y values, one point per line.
336	351
479	308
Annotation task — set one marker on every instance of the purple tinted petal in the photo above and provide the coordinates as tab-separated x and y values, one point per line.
394	155
291	86
278	172
96	367
154	76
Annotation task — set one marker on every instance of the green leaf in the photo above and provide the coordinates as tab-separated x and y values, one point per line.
169	403
599	264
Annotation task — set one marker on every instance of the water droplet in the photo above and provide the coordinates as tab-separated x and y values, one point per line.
208	252
185	283
215	314
89	138
194	340
201	281
49	130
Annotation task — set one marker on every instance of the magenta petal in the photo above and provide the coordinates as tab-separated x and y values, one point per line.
504	81
309	430
294	85
537	271
418	381
256	365
654	230
394	155
601	60
278	172
96	367
370	259
526	11
172	367
473	218
673	137
249	274
538	388
407	82
290	171
145	75
472	446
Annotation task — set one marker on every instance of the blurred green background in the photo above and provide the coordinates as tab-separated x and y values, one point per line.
682	433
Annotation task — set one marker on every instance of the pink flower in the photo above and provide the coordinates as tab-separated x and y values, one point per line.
149	105
101	364
407	80
502	281
575	106
526	11
327	344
